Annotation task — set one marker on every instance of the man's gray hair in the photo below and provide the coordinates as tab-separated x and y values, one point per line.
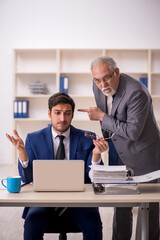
105	60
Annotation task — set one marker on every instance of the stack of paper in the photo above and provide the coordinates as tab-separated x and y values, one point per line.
38	87
108	174
118	174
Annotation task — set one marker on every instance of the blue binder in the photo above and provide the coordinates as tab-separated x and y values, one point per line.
144	81
15	108
20	108
64	84
25	109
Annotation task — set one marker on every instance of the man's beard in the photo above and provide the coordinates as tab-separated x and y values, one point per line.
110	93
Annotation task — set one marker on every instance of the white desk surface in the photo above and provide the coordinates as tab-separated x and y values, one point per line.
28	197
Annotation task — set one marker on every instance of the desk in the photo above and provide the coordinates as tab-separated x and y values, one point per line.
27	197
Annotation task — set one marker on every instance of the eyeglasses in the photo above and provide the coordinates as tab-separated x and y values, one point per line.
95	136
104	79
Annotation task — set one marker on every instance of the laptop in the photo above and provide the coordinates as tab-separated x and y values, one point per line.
58	175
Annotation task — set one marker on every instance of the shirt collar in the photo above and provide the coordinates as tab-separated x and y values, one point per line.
66	133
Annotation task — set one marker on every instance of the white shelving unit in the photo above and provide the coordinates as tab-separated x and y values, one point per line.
155	81
47	65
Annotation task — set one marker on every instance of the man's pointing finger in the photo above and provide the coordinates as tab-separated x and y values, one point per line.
83	110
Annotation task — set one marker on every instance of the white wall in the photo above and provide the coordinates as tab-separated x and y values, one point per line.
68	24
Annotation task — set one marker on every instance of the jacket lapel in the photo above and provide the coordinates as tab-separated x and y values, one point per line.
74	139
101	99
118	97
103	103
49	142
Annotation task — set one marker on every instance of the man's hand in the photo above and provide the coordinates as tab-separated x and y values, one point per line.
19	144
94	113
100	146
17	141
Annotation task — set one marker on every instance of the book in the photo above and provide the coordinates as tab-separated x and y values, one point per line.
64	84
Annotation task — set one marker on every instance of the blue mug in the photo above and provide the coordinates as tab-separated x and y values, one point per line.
13	184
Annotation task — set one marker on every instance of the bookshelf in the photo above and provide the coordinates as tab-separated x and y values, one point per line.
47	65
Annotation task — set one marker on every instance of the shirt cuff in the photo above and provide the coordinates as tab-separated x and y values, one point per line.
97	163
24	164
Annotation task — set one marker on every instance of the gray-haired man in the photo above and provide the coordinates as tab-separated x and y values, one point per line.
124	107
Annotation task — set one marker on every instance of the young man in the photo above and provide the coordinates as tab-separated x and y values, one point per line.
125	111
43	144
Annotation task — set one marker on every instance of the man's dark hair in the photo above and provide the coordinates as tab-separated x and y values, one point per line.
60	98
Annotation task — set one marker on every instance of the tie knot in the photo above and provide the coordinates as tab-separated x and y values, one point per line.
61	137
113	96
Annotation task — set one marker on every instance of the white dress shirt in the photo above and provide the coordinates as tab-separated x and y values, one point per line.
109	104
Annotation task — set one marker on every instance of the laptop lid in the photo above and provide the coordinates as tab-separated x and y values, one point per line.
58	175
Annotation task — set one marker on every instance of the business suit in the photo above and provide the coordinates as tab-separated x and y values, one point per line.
137	136
39	145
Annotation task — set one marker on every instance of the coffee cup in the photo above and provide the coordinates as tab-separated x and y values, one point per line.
13	184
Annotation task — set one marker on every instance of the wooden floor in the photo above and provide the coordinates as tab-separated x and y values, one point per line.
11	223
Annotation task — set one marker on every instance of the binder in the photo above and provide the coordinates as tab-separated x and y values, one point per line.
20	108
25	109
118	189
15	109
144	81
64	84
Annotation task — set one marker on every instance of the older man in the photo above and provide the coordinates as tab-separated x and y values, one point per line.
125	111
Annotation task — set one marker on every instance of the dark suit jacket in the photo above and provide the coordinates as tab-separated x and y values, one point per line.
137	136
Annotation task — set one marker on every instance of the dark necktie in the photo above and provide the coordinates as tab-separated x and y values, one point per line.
61	150
113	155
60	155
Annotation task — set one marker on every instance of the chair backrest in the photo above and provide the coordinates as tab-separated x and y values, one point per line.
64	230
62	236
